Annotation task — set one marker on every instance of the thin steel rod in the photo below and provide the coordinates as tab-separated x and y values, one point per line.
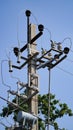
49	100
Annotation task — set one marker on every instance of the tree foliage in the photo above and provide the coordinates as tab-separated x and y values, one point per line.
57	110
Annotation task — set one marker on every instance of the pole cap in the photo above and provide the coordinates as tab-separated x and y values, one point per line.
28	13
66	50
40	27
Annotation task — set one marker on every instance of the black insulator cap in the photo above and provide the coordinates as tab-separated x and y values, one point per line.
28	13
16	51
10	71
56	56
40	27
66	50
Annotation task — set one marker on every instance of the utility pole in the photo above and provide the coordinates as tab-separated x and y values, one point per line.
29	120
32	76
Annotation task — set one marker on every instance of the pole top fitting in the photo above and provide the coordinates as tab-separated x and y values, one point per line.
28	13
66	50
40	27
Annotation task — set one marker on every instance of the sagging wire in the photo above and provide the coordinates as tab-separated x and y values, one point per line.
59	44
18	17
50	38
21	12
68	38
35	18
18	86
14	77
70	59
8	53
8	95
2	75
50	35
44	27
8	98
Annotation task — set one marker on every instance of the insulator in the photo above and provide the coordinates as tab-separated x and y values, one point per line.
43	51
40	27
18	88
53	45
56	57
19	57
66	50
16	51
59	47
10	66
8	98
50	55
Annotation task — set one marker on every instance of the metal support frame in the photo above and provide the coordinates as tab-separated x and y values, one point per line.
50	63
31	42
27	60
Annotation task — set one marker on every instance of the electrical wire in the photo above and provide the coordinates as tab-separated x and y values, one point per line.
4	82
8	121
3	124
49	88
52	124
12	76
18	18
35	18
71	51
1	118
50	37
22	11
49	33
17	99
9	53
2	75
69	60
68	38
65	70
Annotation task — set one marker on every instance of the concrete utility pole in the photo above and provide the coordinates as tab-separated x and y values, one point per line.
33	102
31	75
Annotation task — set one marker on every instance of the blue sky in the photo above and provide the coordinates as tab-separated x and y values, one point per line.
57	16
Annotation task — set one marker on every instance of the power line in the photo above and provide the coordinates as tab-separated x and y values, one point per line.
68	38
2	74
64	70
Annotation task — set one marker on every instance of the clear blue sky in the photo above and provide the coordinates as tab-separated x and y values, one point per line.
57	16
